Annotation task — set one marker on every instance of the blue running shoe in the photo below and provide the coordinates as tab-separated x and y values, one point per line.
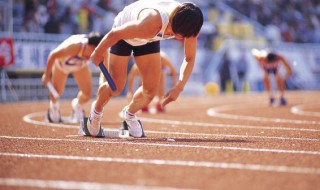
283	101
271	100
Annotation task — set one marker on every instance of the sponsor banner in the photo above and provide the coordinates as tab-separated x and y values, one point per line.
6	52
32	55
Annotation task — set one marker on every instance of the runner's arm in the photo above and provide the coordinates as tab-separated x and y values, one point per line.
190	48
59	52
287	67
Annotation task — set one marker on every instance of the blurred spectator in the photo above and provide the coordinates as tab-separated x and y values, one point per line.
31	24
69	22
18	14
287	20
286	32
242	70
84	15
29	7
224	71
297	21
53	25
2	21
273	33
41	15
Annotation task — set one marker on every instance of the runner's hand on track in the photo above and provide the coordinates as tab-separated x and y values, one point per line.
171	96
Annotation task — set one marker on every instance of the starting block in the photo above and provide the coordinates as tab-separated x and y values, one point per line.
123	132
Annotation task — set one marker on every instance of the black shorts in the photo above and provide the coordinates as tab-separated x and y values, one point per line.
122	48
272	71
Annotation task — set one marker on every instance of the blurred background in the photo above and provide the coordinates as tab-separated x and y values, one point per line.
30	29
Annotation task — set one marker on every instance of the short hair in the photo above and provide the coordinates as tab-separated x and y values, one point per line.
187	20
94	38
271	57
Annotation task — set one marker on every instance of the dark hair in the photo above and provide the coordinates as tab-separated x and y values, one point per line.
94	38
187	20
271	57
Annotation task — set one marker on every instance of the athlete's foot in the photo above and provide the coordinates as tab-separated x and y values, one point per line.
271	101
283	101
53	114
145	109
160	109
77	110
94	122
135	128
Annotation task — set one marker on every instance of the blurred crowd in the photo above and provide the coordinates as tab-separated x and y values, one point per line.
287	20
65	16
284	20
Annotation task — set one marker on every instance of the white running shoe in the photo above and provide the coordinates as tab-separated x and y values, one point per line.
53	115
78	112
135	128
94	121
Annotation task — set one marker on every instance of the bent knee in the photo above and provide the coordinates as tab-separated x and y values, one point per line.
116	92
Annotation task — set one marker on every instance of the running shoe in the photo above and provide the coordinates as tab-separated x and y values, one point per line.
145	109
271	100
53	115
77	111
160	109
94	122
283	101
133	124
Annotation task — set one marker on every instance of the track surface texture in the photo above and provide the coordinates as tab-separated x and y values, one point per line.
232	141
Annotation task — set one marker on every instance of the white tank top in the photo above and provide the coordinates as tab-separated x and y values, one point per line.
132	11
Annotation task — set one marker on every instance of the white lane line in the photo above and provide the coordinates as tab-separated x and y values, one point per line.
200	124
59	184
235	136
299	110
215	112
220	165
151	144
28	119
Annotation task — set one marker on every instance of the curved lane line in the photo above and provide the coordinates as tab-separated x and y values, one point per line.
200	124
299	111
27	118
215	112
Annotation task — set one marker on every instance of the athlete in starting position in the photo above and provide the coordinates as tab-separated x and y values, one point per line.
270	62
71	56
138	29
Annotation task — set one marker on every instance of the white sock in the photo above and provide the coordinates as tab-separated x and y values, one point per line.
128	114
75	103
93	112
